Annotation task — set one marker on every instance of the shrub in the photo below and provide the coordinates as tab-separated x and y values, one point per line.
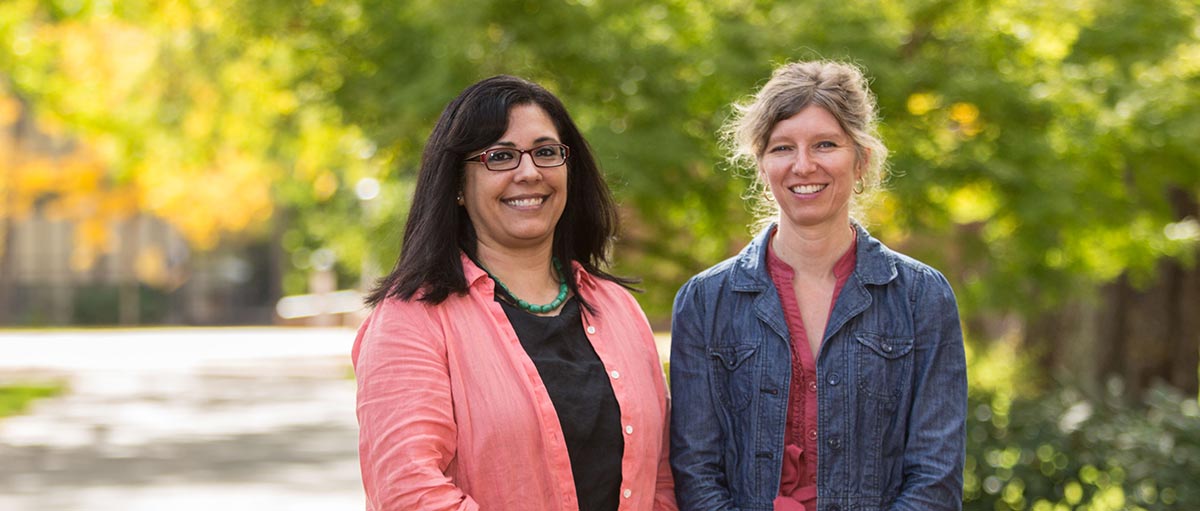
1064	452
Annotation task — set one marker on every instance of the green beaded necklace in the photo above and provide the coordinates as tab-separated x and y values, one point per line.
533	308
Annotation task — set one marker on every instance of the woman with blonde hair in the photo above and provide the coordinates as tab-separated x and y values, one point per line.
816	369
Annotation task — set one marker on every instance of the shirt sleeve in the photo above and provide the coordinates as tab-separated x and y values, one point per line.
664	493
696	436
934	456
405	413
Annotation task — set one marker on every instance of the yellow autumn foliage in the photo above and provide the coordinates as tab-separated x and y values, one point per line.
966	117
922	103
204	201
228	193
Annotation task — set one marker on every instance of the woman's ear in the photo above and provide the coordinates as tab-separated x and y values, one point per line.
863	163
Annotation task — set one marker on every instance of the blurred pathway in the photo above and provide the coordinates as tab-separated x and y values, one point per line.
182	419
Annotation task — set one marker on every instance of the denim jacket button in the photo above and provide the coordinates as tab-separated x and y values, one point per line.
887	348
833	379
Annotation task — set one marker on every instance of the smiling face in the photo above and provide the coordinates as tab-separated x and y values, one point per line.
517	209
810	165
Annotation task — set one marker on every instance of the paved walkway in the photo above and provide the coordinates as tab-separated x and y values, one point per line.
182	419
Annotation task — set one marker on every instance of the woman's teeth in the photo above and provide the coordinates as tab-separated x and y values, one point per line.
806	189
532	201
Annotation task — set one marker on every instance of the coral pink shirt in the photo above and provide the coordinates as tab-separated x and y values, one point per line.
798	483
453	414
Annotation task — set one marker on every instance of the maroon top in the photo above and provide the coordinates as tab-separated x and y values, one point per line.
798	484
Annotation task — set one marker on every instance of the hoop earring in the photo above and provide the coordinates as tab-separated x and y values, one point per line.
859	186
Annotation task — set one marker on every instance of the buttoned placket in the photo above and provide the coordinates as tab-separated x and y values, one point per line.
615	374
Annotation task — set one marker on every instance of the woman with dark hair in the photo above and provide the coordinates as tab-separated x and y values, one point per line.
502	367
817	369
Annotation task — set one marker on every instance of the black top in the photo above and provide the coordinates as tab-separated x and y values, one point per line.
583	397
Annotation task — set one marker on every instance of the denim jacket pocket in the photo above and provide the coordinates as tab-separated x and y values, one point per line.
734	375
884	364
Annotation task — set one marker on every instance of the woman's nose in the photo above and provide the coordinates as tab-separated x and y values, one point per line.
804	163
526	170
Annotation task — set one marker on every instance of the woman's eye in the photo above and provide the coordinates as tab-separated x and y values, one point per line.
779	149
502	155
826	144
544	152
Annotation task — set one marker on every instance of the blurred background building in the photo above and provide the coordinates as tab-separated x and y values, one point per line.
76	250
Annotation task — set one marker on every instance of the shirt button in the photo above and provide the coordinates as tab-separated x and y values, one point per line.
887	348
591	329
812	386
627	493
628	430
833	379
812	434
615	374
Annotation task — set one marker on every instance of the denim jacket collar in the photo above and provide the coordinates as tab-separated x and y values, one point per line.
876	264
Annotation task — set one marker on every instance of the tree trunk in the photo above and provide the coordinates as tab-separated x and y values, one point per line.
128	288
276	259
1184	304
1113	325
1151	333
7	282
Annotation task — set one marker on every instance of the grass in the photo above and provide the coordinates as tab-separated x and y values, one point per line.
15	398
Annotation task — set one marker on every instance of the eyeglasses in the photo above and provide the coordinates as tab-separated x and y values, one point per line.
544	156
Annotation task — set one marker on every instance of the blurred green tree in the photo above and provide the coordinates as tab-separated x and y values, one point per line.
1044	152
1041	150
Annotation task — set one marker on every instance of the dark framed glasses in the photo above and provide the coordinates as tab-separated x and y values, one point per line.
507	158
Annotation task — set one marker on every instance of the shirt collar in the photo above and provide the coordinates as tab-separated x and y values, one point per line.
875	262
474	274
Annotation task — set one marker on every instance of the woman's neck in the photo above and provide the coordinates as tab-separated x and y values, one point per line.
528	272
812	251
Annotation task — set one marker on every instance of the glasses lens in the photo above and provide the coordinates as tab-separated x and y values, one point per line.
548	155
502	159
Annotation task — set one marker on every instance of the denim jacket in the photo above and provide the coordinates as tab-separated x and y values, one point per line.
892	394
